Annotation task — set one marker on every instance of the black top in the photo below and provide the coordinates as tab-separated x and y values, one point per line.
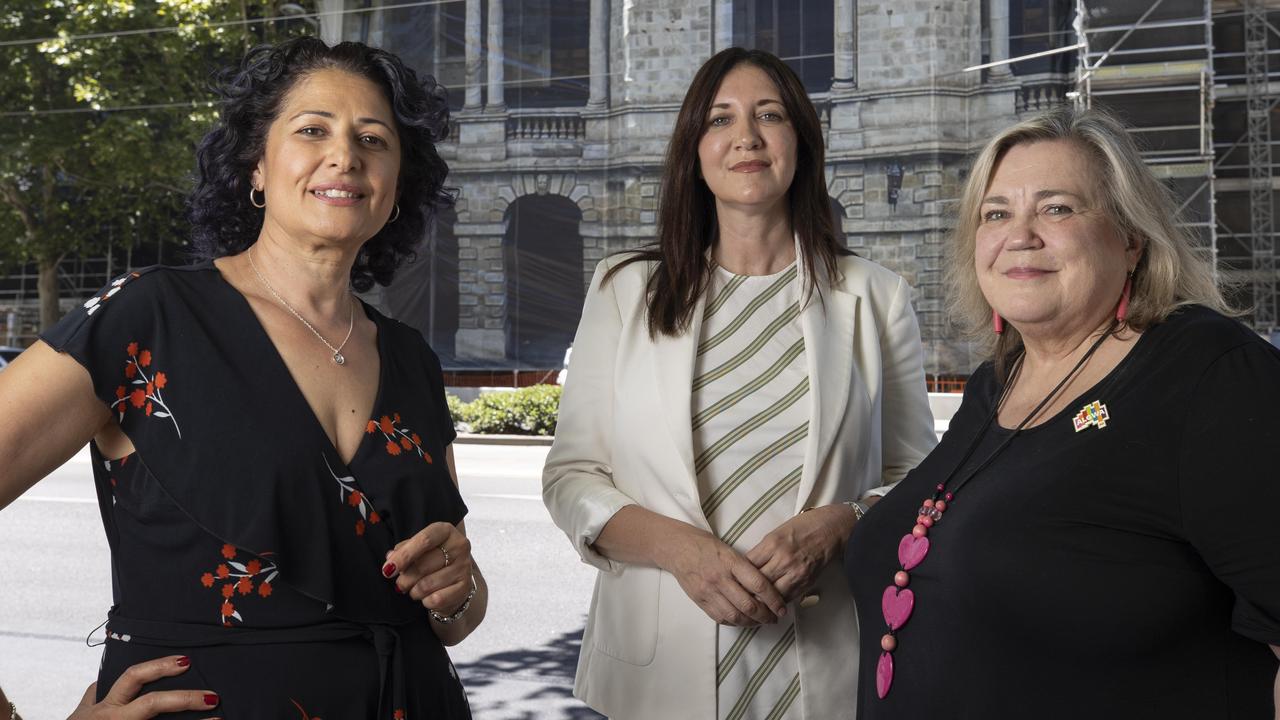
1117	572
238	536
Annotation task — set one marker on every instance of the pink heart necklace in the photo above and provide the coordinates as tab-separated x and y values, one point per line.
898	601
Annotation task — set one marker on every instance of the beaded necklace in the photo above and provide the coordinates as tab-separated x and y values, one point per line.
898	602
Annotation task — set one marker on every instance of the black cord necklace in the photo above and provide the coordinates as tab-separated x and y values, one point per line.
898	602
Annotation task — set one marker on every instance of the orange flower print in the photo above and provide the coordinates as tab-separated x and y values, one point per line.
371	427
399	439
146	394
398	714
354	498
240	579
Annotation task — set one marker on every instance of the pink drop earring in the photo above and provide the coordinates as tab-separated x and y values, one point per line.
1122	310
997	323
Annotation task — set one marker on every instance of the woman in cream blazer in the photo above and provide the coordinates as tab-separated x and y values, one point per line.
625	435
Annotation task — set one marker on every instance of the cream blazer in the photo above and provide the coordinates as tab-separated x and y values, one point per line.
625	436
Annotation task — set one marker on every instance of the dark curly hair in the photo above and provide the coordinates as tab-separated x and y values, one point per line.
223	220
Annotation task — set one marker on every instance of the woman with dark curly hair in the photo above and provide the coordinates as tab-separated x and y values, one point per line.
272	456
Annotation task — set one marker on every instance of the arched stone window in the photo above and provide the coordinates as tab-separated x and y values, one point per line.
424	294
542	252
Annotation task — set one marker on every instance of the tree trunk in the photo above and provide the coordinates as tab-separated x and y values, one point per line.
47	284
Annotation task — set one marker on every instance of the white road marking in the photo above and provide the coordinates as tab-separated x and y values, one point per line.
504	496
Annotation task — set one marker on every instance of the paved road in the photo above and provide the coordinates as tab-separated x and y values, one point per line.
55	588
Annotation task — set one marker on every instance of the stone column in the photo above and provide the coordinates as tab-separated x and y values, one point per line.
495	59
474	61
722	24
599	49
331	18
998	12
481	293
845	72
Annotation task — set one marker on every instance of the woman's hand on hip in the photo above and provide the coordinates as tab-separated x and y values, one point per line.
728	588
124	702
793	554
434	567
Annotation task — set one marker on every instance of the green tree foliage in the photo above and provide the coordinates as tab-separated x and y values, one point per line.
99	119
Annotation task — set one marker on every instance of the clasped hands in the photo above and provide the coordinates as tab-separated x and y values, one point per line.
754	589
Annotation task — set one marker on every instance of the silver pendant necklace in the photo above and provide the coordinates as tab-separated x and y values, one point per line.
338	357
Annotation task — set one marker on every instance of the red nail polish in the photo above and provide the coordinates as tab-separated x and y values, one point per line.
389	569
397	587
210	699
184	661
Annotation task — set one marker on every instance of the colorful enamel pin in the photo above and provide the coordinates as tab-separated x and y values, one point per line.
1092	415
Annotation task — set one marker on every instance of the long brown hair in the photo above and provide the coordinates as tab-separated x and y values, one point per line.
687	223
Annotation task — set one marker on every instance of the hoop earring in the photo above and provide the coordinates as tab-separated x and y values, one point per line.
997	323
395	215
253	190
1122	310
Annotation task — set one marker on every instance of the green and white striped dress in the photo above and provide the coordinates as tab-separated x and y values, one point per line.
750	420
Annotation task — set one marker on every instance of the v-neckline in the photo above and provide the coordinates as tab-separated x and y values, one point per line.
299	397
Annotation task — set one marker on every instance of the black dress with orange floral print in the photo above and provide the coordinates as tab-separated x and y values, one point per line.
238	535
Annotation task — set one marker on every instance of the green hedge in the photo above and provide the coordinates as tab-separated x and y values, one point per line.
526	411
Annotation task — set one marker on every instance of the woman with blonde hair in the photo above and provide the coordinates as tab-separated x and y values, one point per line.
1090	538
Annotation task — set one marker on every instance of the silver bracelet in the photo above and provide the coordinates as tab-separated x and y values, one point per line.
859	509
446	619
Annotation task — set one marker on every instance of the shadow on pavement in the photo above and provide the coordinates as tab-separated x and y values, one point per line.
527	684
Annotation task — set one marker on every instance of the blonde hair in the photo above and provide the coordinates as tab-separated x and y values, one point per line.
1169	274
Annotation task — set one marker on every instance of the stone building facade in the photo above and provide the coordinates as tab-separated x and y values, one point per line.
900	114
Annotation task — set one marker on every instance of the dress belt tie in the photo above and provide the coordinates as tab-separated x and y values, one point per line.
384	637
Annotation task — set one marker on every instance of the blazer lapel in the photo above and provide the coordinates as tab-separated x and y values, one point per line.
673	364
828	323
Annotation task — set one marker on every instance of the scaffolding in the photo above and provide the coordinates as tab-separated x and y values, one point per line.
1178	72
1258	120
1151	64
